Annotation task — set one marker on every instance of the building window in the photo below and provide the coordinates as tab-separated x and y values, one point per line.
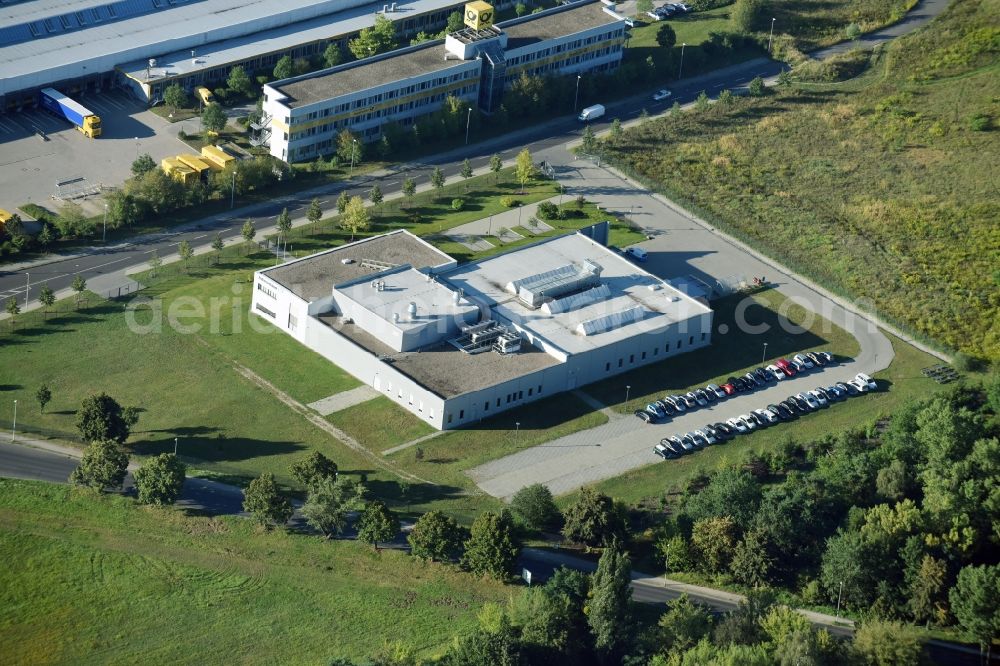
679	343
265	311
498	402
631	358
643	356
486	406
691	340
539	388
461	414
270	292
666	349
520	395
530	391
293	321
449	418
607	367
619	363
702	337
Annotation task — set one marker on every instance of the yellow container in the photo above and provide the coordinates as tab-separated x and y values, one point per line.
196	164
216	157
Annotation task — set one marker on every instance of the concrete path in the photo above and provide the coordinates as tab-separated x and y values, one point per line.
344	399
508	219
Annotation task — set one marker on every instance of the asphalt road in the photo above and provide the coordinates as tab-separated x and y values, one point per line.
26	462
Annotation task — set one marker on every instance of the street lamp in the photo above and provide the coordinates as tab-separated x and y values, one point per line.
519	207
770	36
628	387
840	594
354	152
517	428
765	354
468	119
232	192
576	97
104	235
14	427
560	193
27	291
175	447
489	229
680	70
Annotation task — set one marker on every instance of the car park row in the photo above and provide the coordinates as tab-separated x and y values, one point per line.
668	10
789	409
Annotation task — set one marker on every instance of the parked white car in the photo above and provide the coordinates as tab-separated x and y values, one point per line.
804	360
661	95
766	415
748	422
820	398
775	372
862	377
808	399
708	438
862	386
738	425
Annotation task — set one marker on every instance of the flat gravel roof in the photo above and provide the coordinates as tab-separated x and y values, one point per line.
315	276
556	24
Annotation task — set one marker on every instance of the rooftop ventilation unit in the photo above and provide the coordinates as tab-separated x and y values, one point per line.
577	301
487	336
609	322
534	289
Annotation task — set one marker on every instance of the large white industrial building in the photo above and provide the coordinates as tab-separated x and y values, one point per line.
456	344
145	45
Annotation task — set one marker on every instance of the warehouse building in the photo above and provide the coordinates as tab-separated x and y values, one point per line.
144	45
456	344
304	114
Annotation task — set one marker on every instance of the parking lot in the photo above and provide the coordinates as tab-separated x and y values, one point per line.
39	150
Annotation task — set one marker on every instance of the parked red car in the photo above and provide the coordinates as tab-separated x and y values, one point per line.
785	367
728	388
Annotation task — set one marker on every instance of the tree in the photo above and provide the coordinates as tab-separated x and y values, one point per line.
849	570
927	589
154	263
239	82
887	644
752	562
43	395
524	168
726	98
975	602
745	16
13	309
45	236
79	286
284	68
313	469
263	502
535	507
593	519
103	465
185	252
379	38
466	168
348	148
100	419
356	217
377	524
249	231
329	501
455	22
47	298
675	552
588	141
342	200
730	492
520	9
665	36
702	102
616	128
409	189
715	540
213	118
142	164
333	56
124	209
435	537
497	645
160	479
217	245
315	212
853	31
496	166
756	87
174	96
684	624
609	611
492	547
437	178
375	195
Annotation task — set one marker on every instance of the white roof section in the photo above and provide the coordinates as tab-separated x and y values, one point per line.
634	302
221	53
407	299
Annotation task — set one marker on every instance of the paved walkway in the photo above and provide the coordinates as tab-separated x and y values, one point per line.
344	399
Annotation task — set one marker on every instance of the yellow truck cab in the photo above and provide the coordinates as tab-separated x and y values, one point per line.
204	94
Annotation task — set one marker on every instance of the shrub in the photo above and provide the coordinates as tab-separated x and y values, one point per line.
548	210
966	363
457	204
980	122
221	94
579	201
508	201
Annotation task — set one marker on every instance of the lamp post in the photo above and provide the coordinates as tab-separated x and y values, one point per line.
517	428
175	447
576	97
840	594
468	119
354	152
232	192
13	428
628	387
519	207
489	229
764	355
680	70
104	234
27	290
770	36
560	193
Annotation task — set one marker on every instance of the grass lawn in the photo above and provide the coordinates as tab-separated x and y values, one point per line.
880	190
731	353
94	579
902	382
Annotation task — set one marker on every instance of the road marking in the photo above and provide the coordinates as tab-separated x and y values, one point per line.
202	236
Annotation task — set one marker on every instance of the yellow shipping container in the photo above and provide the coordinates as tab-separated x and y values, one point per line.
176	169
196	164
216	157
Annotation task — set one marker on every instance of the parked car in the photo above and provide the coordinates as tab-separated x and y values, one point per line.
691	400
759	418
860	385
655	410
694	439
849	388
862	377
751	379
714	388
674	444
728	388
662	451
763	375
816	358
836	393
786	367
667	408
725	430
709	439
686	446
781	412
821	390
826	356
799	367
655	15
661	95
818	397
710	394
776	372
676	402
738	425
749	421
719	436
808	399
803	360
701	397
801	405
643	415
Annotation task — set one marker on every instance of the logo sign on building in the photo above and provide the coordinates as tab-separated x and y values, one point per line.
478	15
526	575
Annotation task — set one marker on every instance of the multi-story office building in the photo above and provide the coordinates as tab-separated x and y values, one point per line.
304	114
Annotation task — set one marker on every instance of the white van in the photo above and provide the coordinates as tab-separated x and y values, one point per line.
636	253
591	113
